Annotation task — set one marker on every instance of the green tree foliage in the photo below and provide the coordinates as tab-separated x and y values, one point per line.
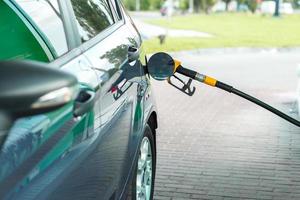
144	4
204	5
209	5
241	1
155	4
184	4
252	4
295	3
129	4
90	16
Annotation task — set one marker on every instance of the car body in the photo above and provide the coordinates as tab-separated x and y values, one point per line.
65	154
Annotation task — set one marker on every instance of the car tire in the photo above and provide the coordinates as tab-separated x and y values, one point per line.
145	167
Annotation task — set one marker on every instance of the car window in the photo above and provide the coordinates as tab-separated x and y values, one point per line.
46	15
93	16
116	6
17	41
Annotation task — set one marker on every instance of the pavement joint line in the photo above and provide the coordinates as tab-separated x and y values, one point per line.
256	157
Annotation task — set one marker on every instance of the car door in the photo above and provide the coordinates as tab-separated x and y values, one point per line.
40	152
113	52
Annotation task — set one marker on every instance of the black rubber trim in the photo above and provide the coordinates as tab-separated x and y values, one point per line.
187	72
224	86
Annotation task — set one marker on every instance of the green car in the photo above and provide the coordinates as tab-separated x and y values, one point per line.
77	114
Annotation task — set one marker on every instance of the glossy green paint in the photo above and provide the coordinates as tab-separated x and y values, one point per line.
20	40
17	42
138	117
63	144
74	136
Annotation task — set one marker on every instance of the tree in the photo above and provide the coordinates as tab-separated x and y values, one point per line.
155	4
145	4
129	4
91	17
276	13
204	5
252	5
227	3
197	5
184	4
209	5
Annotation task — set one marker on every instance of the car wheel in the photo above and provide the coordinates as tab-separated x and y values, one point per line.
144	175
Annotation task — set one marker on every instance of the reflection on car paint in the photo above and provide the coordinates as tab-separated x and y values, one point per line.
92	17
110	61
98	172
49	176
91	156
16	147
27	151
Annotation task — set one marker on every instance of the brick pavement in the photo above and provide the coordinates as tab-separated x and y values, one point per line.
217	146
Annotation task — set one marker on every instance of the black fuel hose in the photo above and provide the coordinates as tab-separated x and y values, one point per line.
215	83
266	106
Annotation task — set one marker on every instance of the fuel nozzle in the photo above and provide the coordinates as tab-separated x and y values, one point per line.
161	66
204	78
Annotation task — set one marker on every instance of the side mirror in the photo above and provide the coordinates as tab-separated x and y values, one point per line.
28	88
161	66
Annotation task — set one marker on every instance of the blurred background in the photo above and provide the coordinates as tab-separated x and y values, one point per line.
175	25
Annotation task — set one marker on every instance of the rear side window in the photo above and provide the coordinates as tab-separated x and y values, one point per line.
115	4
93	16
46	15
17	41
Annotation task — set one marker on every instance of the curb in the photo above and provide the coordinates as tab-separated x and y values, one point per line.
240	50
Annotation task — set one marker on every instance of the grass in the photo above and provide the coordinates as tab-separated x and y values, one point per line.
229	30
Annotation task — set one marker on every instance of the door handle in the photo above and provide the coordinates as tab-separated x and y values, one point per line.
133	53
84	102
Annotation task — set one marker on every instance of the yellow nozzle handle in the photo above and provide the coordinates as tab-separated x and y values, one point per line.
192	74
177	64
210	81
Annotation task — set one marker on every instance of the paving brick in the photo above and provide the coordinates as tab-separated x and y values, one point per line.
217	146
